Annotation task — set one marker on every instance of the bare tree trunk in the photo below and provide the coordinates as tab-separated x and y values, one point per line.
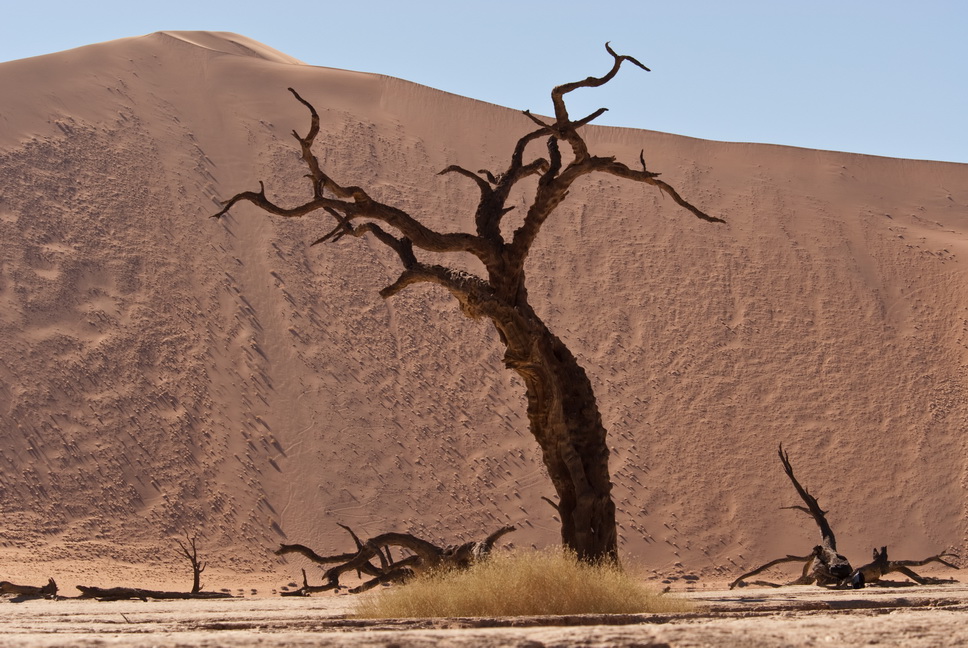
566	422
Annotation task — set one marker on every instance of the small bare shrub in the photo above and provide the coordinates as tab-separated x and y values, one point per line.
520	583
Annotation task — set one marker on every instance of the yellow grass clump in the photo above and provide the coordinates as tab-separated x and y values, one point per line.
520	583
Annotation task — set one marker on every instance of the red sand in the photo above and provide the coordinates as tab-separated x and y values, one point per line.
162	372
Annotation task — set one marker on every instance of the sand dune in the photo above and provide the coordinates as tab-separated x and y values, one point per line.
162	372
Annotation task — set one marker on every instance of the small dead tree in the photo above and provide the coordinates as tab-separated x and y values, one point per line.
825	566
828	566
422	556
190	551
562	411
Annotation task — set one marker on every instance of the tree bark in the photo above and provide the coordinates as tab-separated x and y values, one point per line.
565	420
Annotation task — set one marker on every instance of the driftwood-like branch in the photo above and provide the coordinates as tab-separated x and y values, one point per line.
128	593
813	507
309	554
880	566
29	591
773	563
423	556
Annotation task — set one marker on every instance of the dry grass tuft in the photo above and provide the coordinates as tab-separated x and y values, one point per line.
520	583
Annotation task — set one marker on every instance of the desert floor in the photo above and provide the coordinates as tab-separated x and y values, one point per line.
790	616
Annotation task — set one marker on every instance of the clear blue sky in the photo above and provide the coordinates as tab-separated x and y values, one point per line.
870	76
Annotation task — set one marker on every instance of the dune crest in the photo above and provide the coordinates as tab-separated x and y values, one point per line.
230	43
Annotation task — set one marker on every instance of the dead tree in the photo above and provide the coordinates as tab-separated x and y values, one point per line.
190	551
824	565
562	410
30	591
828	566
423	556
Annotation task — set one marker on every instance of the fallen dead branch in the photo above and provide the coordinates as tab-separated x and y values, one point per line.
30	591
421	556
873	571
129	593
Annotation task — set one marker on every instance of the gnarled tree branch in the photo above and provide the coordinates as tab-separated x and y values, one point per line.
827	567
880	566
424	555
813	507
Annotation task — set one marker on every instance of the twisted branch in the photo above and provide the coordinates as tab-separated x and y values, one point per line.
348	205
424	555
813	507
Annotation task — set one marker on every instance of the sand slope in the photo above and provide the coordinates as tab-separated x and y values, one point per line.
163	373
